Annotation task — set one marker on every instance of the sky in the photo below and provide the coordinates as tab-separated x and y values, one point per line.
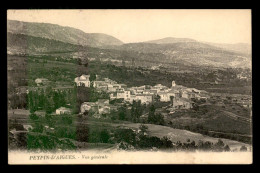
217	26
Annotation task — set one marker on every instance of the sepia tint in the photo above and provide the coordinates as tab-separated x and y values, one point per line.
129	86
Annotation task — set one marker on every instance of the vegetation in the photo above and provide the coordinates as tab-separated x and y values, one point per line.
61	71
155	118
139	140
50	100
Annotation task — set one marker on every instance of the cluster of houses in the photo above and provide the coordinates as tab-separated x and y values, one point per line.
178	95
98	108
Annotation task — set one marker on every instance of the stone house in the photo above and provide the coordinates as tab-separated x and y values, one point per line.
63	110
41	81
83	80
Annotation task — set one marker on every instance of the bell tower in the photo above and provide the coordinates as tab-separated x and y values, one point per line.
173	83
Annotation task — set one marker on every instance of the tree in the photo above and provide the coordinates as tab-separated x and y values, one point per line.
82	133
122	113
167	143
49	105
41	99
56	100
31	99
136	110
226	148
92	77
151	114
143	129
104	136
157	98
243	148
155	118
219	146
113	115
125	135
79	61
172	97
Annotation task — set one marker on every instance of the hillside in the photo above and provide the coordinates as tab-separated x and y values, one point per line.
193	53
169	40
24	44
239	47
46	38
60	33
182	135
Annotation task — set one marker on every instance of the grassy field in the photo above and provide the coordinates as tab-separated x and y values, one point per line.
153	130
231	90
63	74
227	124
211	117
182	135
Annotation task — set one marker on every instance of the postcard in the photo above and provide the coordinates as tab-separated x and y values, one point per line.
137	86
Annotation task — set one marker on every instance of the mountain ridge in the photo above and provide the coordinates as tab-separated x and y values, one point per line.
61	33
52	37
169	40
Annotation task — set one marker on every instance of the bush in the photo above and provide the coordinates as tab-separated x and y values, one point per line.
33	116
149	142
104	136
143	128
46	142
226	148
243	148
65	132
66	119
82	133
219	146
125	135
166	142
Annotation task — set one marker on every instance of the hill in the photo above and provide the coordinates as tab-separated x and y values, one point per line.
60	33
24	44
168	40
239	47
182	135
43	37
192	53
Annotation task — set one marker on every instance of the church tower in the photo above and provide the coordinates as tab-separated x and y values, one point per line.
173	83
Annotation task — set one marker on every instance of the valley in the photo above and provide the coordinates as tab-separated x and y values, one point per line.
60	54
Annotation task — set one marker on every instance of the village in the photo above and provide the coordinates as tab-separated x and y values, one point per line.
178	96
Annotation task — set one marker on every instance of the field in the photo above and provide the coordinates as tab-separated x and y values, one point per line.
182	135
226	124
59	69
231	90
95	126
192	124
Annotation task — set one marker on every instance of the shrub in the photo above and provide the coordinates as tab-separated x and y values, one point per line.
125	135
243	148
104	136
166	142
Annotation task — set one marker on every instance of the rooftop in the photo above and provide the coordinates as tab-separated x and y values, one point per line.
63	108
